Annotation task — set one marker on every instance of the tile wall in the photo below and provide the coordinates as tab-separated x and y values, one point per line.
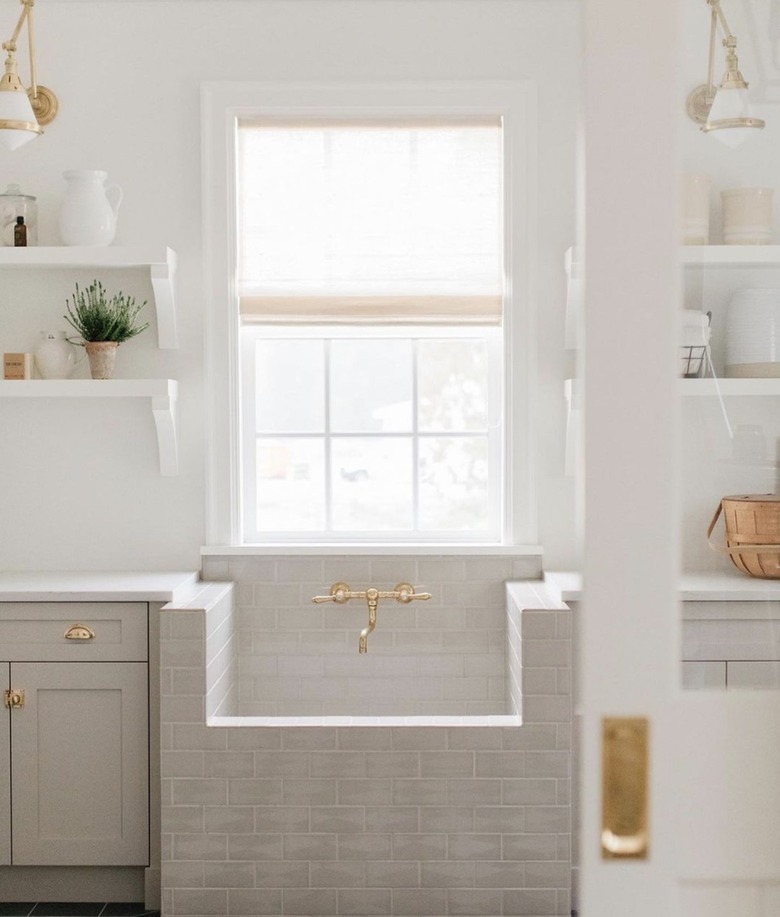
363	820
443	656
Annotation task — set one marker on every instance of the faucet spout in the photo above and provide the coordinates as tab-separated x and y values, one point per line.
372	596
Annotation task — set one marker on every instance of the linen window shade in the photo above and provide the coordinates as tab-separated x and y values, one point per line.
391	221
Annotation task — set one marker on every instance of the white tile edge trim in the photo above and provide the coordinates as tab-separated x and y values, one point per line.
508	720
534	595
418	550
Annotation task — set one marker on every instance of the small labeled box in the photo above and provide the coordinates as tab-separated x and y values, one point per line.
17	366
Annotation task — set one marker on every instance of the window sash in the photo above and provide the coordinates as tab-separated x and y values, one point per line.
494	434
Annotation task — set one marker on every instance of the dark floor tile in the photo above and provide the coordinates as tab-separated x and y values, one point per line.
15	908
67	909
127	910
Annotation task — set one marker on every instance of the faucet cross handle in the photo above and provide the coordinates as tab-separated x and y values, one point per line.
404	592
339	593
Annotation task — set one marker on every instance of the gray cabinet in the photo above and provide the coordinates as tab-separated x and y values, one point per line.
75	790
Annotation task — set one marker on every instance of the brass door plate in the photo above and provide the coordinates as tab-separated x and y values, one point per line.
625	750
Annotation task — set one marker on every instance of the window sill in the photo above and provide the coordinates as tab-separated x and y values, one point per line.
417	550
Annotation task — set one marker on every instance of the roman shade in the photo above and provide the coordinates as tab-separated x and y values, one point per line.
370	221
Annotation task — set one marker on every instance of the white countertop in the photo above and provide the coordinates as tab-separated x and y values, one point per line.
566	586
73	586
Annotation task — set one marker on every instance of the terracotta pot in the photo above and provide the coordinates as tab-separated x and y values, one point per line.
101	355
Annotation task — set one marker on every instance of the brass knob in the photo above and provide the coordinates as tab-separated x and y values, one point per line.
79	632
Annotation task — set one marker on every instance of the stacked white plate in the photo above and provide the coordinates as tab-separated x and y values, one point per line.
753	334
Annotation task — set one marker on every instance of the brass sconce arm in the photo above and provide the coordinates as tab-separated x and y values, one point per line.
44	102
700	101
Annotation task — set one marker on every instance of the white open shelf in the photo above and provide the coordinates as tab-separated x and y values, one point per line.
161	392
160	260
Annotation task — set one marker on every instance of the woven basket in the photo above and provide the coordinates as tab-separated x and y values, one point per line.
752	533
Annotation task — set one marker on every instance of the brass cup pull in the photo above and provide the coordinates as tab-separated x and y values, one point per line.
13	699
79	632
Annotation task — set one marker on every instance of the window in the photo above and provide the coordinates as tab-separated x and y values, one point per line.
352	433
370	315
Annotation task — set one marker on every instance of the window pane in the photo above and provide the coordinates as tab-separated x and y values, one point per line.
290	393
452	385
454	483
372	484
290	485
371	386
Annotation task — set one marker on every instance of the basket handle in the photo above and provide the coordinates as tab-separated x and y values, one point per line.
743	549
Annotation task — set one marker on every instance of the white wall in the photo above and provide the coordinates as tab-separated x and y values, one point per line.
79	484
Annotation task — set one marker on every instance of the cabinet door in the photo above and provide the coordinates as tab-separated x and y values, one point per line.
5	773
80	764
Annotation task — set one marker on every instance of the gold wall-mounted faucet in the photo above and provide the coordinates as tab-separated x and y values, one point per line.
340	593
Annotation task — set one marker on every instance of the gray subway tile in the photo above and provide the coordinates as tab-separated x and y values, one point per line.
403	819
337	819
499	874
474	792
310	847
393	764
447	764
446	818
229	875
536	902
254	791
201	901
420	792
419	902
284	819
530	791
281	764
501	819
364	846
338	764
474	901
313	792
547	819
309	901
525	847
474	846
255	847
282	874
365	902
329	874
419	846
447	874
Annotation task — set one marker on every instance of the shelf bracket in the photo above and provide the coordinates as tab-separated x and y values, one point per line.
164	411
163	277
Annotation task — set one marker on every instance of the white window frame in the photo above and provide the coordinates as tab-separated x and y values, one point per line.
222	105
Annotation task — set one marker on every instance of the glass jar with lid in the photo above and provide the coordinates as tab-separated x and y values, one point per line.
14	204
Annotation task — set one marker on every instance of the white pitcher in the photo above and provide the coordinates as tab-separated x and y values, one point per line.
55	357
87	216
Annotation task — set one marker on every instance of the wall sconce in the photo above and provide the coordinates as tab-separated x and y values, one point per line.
22	112
724	110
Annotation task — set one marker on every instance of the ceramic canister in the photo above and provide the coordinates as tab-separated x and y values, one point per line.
747	216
